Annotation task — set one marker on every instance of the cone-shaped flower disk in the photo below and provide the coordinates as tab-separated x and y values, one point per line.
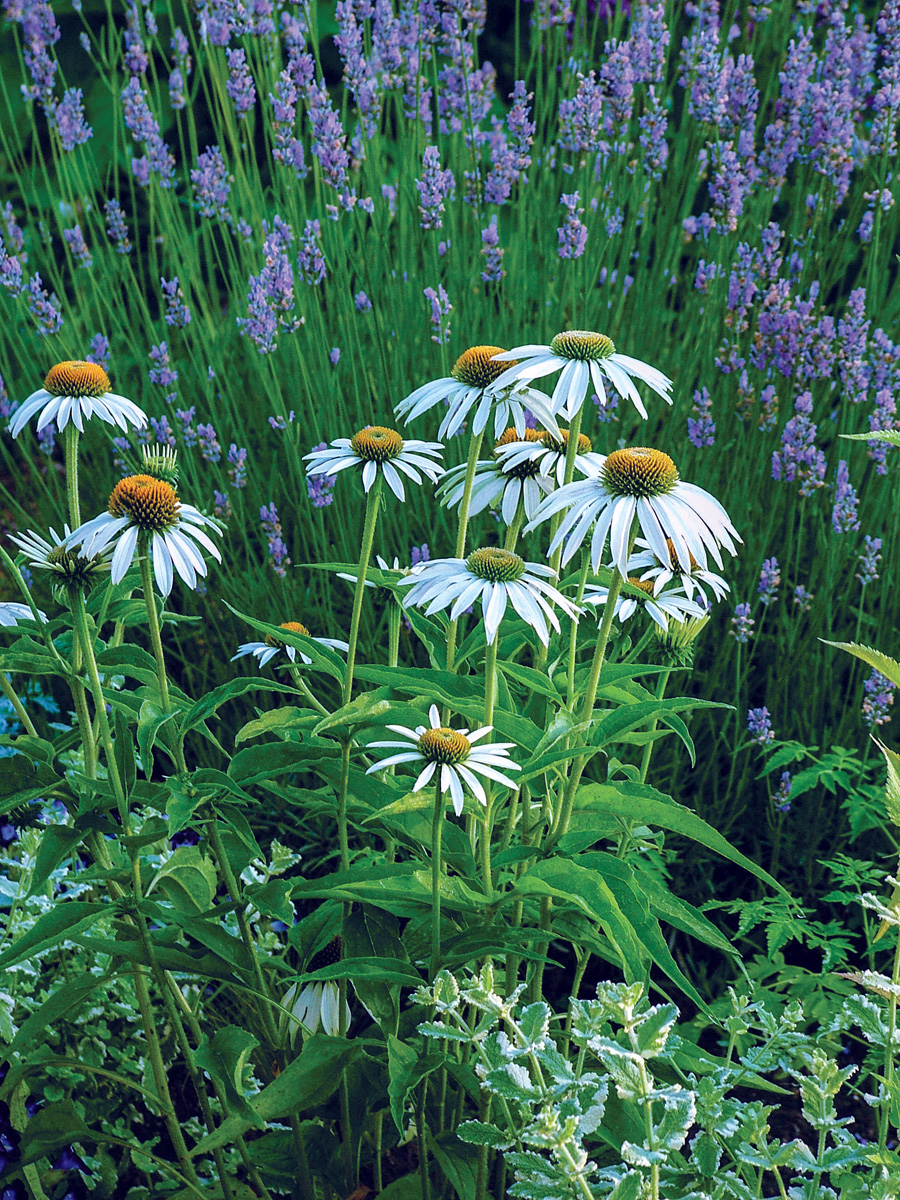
68	570
646	565
265	651
453	752
377	448
498	481
473	384
74	391
585	359
639	482
497	577
145	515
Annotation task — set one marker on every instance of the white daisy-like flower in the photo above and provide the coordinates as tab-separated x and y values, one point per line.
378	448
473	384
454	752
496	481
660	606
586	359
639	482
265	651
646	565
549	454
315	1005
75	391
11	614
146	516
497	577
68	569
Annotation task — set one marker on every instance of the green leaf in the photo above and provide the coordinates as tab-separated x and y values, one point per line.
305	1083
279	721
151	719
69	995
136	663
390	970
875	435
611	725
616	800
892	785
49	1130
531	680
61	923
371	708
462	694
888	667
187	879
123	750
57	843
480	1133
370	934
322	658
458	1163
407	1067
266	761
21	781
272	899
213	701
225	1059
588	892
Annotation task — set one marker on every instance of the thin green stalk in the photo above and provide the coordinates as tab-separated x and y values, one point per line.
462	528
565	813
18	708
156	643
437	827
373	503
302	686
573	631
885	1115
70	439
648	749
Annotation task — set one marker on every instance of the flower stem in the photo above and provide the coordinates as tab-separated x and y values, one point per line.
648	749
373	503
490	680
437	827
70	439
573	632
156	643
18	708
474	449
565	813
889	1050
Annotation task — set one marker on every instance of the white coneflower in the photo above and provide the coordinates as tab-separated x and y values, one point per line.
377	448
68	569
646	565
639	482
586	358
11	614
146	516
548	453
473	384
75	391
660	606
496	577
454	754
496	481
318	1004
266	650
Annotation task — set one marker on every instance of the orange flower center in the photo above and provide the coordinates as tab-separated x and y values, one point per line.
76	378
444	745
475	367
151	504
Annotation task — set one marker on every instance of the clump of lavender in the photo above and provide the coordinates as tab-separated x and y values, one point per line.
492	253
237	470
420	554
769	580
44	307
869	560
280	559
362	302
334	355
98	351
185	417
163	374
321	487
221	505
208	440
240	84
212	183
798	458
877	700
802	598
74	239
116	227
177	312
435	186
440	314
701	426
742	624
163	431
70	121
143	126
781	799
844	518
572	234
759	726
310	259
